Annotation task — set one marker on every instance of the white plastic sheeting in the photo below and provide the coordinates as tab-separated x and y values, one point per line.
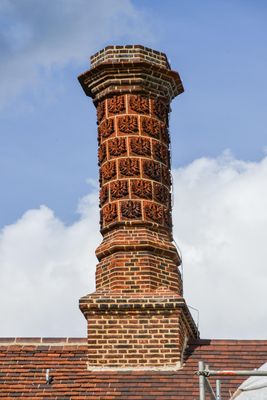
254	388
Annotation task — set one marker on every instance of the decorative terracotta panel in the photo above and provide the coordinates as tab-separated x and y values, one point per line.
102	153
167	219
160	152
116	105
166	175
117	147
151	127
103	195
154	212
106	129
139	104
141	189
119	189
152	170
128	124
131	209
100	111
165	137
159	109
108	171
161	194
129	167
110	213
140	146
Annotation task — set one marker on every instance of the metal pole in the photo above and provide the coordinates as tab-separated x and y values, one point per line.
209	388
218	389
253	372
201	378
204	372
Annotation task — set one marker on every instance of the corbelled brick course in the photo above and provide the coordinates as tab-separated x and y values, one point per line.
137	316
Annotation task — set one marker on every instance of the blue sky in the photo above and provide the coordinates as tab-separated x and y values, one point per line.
48	141
48	135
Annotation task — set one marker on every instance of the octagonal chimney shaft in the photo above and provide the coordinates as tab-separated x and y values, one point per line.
137	318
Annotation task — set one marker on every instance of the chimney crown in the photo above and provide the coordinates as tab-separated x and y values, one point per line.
130	69
134	53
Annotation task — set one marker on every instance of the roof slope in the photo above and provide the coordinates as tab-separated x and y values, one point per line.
23	364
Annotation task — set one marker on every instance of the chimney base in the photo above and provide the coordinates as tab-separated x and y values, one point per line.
145	332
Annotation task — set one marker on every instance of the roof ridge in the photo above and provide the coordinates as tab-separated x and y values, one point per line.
225	341
42	340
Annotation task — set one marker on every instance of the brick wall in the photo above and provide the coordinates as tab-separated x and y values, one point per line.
137	317
134	338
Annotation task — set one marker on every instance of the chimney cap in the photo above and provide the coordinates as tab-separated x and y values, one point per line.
129	53
133	69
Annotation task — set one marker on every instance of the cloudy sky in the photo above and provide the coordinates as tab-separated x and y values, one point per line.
48	171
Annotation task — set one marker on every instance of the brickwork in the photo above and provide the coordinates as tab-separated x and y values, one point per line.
136	332
132	87
133	53
140	272
137	338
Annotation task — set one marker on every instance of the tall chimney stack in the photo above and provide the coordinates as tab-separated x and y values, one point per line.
137	317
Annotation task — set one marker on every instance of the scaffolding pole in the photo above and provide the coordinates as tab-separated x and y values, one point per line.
207	372
201	378
204	385
218	389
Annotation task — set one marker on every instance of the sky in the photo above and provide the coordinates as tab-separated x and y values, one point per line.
48	157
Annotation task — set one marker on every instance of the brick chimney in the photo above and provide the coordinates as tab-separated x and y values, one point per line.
137	317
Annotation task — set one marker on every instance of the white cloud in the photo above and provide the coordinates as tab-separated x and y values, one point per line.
44	35
220	220
45	268
221	226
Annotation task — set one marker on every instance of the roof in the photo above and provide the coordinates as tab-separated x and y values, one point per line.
23	364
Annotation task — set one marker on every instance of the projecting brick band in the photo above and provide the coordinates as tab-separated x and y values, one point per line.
137	317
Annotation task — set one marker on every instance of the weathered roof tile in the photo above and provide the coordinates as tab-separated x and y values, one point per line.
23	368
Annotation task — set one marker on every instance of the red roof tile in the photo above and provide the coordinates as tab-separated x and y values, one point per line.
23	364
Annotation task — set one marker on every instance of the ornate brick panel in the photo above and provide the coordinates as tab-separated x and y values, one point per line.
133	153
138	309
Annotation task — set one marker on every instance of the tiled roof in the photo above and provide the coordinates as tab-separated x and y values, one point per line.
23	364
